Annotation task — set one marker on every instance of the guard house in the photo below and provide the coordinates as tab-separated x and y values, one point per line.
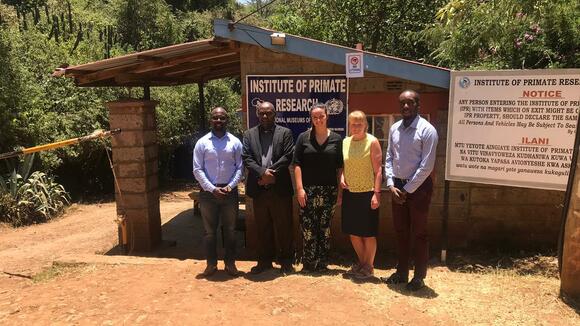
518	217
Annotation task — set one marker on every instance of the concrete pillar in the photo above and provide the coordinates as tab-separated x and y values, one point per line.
135	155
570	276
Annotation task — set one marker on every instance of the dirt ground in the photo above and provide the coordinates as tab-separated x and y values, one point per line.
67	272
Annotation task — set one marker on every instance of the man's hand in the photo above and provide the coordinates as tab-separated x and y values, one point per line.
220	192
267	178
398	196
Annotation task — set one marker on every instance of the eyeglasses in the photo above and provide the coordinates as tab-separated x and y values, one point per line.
219	118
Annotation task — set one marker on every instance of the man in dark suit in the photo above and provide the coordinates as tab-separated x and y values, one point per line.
267	153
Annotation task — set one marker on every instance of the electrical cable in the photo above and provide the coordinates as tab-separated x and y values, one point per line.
253	12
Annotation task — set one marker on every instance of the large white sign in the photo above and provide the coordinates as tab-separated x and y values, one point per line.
513	128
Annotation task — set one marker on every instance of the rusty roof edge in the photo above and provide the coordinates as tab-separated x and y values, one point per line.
135	55
375	62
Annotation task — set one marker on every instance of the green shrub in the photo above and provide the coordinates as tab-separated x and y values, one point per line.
30	199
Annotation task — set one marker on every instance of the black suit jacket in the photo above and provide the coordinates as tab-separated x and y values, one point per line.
282	152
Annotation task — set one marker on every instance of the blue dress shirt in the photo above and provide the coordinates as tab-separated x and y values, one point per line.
217	161
411	153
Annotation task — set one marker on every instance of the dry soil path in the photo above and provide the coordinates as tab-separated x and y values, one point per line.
58	273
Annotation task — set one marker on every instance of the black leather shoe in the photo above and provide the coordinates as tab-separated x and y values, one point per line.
287	269
260	268
395	278
232	270
209	270
416	284
307	268
323	269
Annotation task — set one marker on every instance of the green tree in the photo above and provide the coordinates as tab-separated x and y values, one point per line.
36	108
147	24
506	34
10	88
199	5
388	27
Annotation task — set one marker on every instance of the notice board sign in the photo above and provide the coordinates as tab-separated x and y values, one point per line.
512	128
294	95
354	65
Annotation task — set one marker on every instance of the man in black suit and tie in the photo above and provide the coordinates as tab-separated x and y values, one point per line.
267	152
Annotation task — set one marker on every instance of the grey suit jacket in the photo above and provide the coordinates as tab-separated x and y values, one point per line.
282	152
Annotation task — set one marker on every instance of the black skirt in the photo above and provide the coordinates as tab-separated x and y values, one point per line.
357	216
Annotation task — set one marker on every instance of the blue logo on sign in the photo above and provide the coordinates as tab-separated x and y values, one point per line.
464	82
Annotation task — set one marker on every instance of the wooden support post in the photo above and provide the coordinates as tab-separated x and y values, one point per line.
202	119
569	244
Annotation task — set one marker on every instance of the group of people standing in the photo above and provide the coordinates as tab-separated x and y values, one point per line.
328	171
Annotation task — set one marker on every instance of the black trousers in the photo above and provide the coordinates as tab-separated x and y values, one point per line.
273	215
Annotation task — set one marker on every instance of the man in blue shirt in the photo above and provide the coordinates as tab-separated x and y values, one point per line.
409	162
217	166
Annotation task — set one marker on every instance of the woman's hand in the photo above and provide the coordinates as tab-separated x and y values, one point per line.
343	183
301	196
376	200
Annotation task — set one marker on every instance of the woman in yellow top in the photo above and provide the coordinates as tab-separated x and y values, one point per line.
361	192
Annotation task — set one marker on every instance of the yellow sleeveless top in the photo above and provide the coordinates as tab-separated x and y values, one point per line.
358	168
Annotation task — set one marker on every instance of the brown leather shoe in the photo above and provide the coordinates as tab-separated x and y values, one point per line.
232	270
209	270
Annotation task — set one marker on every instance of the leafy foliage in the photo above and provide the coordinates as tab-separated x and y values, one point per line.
30	198
506	34
36	108
388	27
147	24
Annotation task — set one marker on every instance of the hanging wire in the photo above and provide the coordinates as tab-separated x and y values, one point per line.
231	25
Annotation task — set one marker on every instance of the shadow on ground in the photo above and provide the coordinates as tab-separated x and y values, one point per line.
183	239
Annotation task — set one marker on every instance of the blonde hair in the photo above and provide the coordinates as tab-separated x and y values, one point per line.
358	116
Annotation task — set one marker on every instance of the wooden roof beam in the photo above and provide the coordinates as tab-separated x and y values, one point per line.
217	73
143	66
234	57
188	58
188	68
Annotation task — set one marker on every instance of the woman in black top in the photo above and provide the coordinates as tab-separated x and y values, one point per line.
317	165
